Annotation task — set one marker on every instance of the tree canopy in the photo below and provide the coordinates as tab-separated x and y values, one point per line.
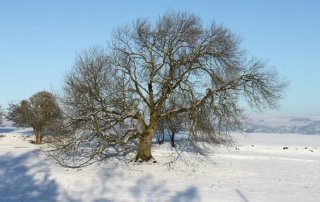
155	71
40	112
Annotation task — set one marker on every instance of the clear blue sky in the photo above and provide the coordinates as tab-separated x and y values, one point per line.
39	39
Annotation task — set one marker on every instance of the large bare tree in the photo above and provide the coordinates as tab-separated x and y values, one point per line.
120	94
40	112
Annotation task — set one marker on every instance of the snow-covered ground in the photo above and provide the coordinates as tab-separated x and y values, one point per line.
258	168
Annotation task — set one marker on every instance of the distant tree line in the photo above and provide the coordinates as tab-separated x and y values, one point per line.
1	115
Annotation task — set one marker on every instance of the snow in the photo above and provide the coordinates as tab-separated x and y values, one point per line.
257	168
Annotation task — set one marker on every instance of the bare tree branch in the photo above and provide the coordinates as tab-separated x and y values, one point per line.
155	72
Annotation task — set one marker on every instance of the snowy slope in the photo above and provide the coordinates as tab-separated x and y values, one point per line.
256	169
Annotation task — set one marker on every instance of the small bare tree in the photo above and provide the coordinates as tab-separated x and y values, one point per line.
172	124
120	95
170	127
40	112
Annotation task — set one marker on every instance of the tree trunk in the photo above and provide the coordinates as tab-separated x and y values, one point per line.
160	138
38	137
172	140
144	150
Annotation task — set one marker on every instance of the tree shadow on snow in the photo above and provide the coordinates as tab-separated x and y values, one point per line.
190	194
150	189
22	178
25	178
144	188
241	195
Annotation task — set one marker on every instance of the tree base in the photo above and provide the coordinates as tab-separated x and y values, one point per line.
142	160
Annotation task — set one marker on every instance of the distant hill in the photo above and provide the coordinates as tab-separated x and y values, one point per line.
309	126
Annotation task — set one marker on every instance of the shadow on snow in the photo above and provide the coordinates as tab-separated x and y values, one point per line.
241	195
24	179
144	188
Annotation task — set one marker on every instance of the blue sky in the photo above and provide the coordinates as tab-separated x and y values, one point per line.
40	39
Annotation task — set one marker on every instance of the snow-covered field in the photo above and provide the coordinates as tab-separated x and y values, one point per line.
256	169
